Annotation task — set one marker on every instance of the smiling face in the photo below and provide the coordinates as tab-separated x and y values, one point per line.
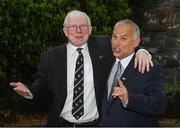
123	40
77	30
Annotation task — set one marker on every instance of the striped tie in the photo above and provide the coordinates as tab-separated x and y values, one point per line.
78	94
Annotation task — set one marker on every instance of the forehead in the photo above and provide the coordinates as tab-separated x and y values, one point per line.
77	19
123	29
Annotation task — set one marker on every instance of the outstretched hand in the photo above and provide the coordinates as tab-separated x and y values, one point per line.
20	88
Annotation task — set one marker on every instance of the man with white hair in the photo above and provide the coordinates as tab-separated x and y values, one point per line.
131	99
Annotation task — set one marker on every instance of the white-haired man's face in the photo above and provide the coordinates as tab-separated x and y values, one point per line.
123	41
77	30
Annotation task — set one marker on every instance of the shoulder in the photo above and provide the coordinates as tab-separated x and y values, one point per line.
156	70
60	48
157	67
100	41
52	53
100	37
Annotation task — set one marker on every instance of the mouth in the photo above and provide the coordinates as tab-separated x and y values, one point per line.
79	37
116	49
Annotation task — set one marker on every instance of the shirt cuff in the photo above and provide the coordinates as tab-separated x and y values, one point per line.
125	104
144	50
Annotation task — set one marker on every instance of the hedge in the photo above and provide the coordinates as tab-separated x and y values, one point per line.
29	27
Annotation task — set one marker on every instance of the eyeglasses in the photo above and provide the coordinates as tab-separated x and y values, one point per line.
82	27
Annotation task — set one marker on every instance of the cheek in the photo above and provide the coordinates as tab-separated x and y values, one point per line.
86	36
112	43
115	44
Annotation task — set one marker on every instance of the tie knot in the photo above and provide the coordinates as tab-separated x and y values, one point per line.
119	68
119	63
79	49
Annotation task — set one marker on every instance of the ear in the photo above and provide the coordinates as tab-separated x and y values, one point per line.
65	32
90	30
137	42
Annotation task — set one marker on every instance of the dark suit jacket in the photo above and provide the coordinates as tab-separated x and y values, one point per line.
146	99
52	75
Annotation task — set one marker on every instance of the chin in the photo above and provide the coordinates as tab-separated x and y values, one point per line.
116	55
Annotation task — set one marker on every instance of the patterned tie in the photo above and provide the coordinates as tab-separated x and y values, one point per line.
115	80
78	94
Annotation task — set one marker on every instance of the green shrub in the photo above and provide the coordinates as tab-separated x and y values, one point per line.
173	100
29	27
4	114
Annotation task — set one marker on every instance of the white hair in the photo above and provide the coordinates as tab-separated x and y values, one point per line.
133	24
76	13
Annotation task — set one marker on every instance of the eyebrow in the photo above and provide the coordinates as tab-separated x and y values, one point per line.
119	35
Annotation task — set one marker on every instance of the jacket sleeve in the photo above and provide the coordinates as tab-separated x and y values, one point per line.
39	87
152	100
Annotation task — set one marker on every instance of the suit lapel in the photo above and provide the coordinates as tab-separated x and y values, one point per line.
97	57
128	71
61	69
93	51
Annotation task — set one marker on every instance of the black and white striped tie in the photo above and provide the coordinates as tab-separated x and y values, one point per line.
78	95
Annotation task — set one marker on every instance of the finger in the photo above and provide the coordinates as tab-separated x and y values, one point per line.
22	92
143	66
151	63
121	97
135	63
140	65
117	88
13	84
118	92
18	89
147	66
120	83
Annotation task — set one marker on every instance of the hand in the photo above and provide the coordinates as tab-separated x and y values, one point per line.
20	88
121	92
143	61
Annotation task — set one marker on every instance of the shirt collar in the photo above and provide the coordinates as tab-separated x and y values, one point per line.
125	61
72	48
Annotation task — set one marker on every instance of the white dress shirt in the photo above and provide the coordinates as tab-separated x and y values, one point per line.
90	106
124	62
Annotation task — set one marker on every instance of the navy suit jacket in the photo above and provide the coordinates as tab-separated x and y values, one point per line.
146	99
52	75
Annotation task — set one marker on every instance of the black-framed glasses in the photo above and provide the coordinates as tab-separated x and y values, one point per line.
82	27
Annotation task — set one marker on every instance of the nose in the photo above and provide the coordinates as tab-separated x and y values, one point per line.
117	42
78	29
